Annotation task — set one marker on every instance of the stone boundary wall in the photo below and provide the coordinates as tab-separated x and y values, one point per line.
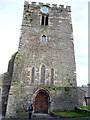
82	110
81	96
62	116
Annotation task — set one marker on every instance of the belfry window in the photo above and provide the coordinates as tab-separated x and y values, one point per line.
43	38
44	20
32	76
45	12
43	74
52	74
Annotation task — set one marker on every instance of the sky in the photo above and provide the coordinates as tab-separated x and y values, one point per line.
11	12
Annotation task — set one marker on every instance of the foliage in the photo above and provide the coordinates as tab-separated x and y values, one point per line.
21	110
14	81
68	79
67	89
10	116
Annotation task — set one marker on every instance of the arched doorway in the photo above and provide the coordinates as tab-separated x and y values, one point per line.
41	102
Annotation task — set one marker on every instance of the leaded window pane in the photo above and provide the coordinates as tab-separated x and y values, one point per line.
44	38
32	77
43	74
52	74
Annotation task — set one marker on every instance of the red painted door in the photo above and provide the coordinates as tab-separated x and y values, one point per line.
41	103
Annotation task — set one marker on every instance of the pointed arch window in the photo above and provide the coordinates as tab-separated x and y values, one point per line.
32	75
43	38
43	74
52	74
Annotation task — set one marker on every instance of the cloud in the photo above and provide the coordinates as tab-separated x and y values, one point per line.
11	1
80	39
79	29
8	46
49	1
82	75
81	51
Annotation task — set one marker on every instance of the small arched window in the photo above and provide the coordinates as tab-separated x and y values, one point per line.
52	74
43	38
32	76
43	74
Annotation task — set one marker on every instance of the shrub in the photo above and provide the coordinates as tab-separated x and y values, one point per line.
21	110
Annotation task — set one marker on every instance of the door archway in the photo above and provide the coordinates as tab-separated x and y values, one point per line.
41	101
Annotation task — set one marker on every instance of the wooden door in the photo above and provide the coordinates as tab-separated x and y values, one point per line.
41	103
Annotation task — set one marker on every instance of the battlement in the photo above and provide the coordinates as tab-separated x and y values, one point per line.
54	5
34	4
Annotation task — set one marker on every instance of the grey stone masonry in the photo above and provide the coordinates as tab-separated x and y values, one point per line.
58	50
44	62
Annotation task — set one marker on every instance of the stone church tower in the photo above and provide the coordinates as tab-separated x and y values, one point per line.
43	71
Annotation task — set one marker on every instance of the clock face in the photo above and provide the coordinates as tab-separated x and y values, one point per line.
45	9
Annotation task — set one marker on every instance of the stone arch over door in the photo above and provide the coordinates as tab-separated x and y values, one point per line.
41	100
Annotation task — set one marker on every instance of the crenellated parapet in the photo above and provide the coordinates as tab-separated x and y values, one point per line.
32	13
52	6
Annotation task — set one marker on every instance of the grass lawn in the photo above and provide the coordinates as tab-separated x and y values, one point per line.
85	107
72	113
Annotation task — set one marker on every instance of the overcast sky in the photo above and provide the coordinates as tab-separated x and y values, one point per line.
11	12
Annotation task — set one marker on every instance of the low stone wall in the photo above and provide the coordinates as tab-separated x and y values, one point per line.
87	100
79	110
62	116
81	96
82	110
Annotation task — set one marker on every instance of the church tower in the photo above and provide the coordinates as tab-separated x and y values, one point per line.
44	70
46	43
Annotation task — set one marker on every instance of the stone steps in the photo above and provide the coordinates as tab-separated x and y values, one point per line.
34	115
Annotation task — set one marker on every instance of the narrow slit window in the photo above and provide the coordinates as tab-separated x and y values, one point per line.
52	74
46	21
43	74
43	38
42	20
32	76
